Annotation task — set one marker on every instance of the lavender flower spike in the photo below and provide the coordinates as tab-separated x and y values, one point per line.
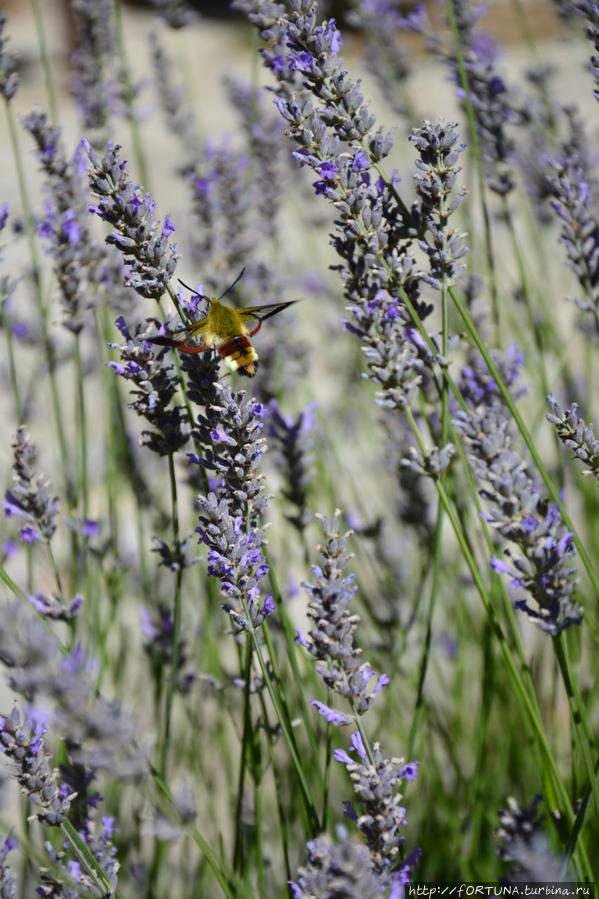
8	883
79	260
95	87
576	435
337	869
523	515
377	781
24	746
332	636
231	513
292	441
9	80
144	243
30	497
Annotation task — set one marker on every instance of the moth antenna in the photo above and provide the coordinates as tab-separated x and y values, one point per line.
231	286
202	296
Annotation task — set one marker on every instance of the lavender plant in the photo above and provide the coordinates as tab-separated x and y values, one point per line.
166	749
95	88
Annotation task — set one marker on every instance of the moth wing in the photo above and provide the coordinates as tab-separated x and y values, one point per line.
179	337
195	329
261	313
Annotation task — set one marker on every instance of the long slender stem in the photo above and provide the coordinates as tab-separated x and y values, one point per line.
176	650
14	381
129	97
473	135
48	77
42	306
82	430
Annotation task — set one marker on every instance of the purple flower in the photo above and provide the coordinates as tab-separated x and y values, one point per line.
332	716
499	567
91	528
71	228
168	226
522	515
9	548
12	507
404	873
360	161
377	781
302	62
301	639
410	771
328	169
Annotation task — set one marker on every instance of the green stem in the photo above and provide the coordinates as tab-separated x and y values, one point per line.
172	682
285	729
292	659
43	310
82	428
424	660
473	135
14	381
128	94
577	710
239	856
41	37
88	860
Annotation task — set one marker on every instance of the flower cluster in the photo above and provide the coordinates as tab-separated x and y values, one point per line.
79	262
264	133
525	846
326	115
230	435
100	734
8	883
94	86
144	242
235	557
222	206
439	152
9	80
477	385
331	639
487	92
573	202
576	435
377	782
23	744
30	497
589	13
54	608
157	627
291	440
176	13
522	514
155	385
338	869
